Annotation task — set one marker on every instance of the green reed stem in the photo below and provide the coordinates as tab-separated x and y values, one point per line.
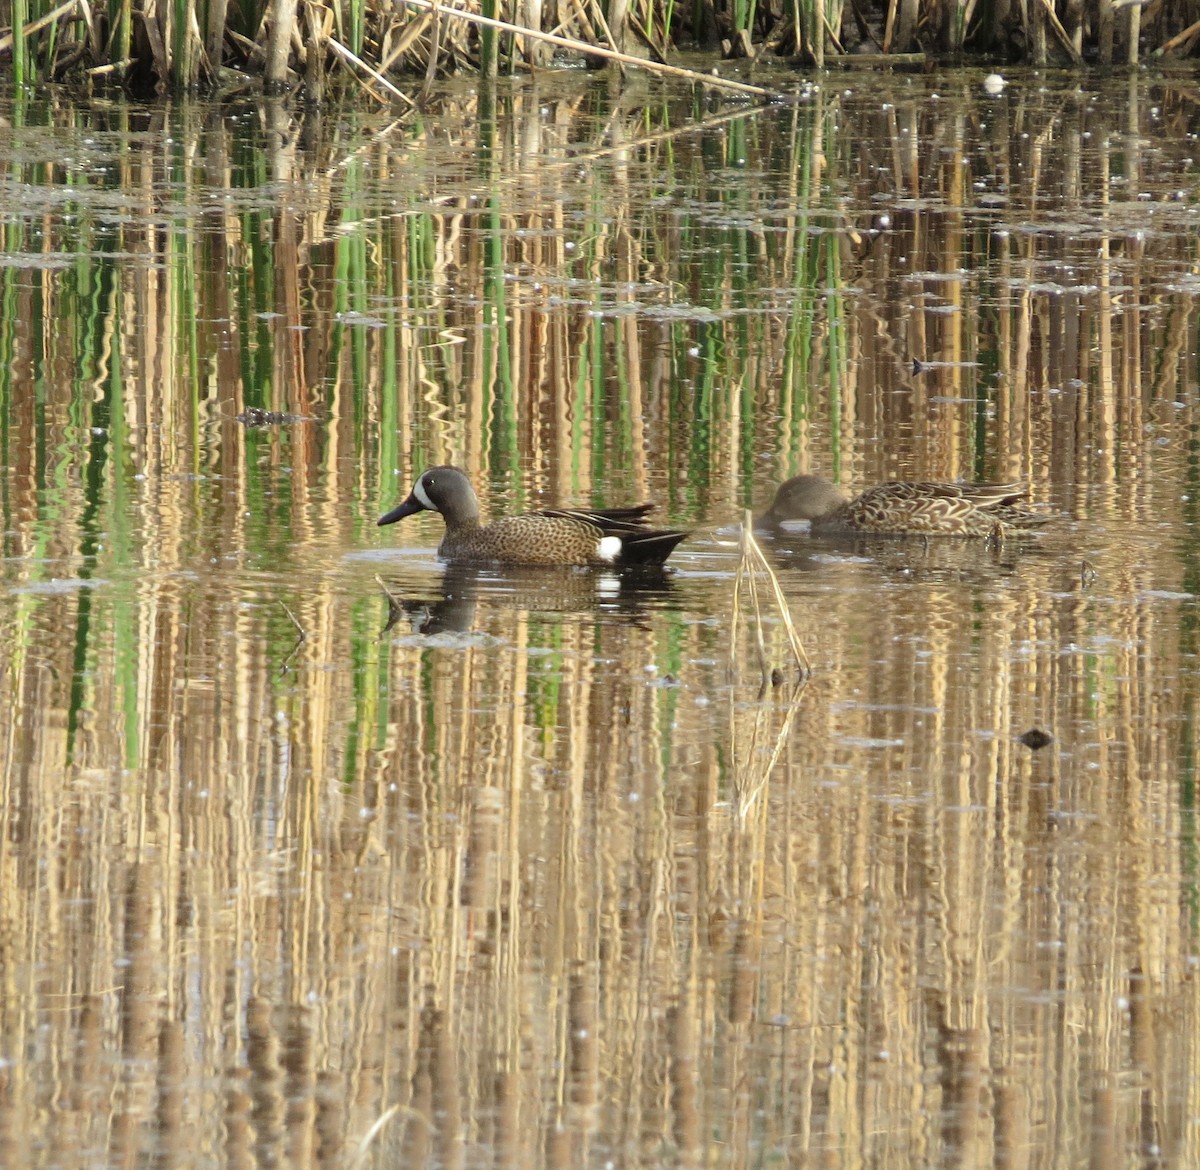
120	15
180	69
50	51
20	17
489	41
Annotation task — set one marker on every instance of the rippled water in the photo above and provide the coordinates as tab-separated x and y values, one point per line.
312	845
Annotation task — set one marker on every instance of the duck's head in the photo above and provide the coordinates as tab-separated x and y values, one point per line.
440	489
803	497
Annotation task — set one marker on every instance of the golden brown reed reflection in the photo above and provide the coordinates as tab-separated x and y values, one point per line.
530	878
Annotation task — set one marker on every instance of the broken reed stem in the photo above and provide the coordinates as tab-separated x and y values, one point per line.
760	644
752	564
593	50
375	75
27	30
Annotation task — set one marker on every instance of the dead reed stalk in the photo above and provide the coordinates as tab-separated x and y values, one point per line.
753	567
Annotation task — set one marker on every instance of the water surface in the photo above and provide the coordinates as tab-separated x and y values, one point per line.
303	832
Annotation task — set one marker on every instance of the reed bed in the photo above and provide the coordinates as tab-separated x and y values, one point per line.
289	44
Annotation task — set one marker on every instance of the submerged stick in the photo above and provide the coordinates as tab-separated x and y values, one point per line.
594	50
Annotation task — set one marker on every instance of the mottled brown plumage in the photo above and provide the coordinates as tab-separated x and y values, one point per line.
617	537
904	509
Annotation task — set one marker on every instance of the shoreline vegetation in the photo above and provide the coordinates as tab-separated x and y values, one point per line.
217	46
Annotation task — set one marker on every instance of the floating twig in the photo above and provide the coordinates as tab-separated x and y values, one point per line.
299	627
301	638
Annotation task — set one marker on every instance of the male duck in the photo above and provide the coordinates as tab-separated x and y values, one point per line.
903	509
616	537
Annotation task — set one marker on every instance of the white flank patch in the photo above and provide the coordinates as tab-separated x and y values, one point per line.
609	548
422	495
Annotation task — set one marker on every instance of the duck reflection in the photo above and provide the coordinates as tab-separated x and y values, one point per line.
452	604
804	552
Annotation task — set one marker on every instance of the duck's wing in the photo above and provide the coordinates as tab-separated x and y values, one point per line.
611	521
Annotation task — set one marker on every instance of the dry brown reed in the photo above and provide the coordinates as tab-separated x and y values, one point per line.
753	568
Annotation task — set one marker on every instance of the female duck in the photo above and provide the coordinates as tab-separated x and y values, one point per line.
903	509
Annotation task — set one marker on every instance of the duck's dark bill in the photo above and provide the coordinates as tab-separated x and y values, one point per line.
411	505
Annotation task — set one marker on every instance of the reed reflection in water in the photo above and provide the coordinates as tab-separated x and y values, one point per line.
532	877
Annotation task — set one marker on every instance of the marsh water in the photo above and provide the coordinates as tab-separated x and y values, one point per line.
314	850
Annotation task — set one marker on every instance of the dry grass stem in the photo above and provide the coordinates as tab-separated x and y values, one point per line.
754	564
